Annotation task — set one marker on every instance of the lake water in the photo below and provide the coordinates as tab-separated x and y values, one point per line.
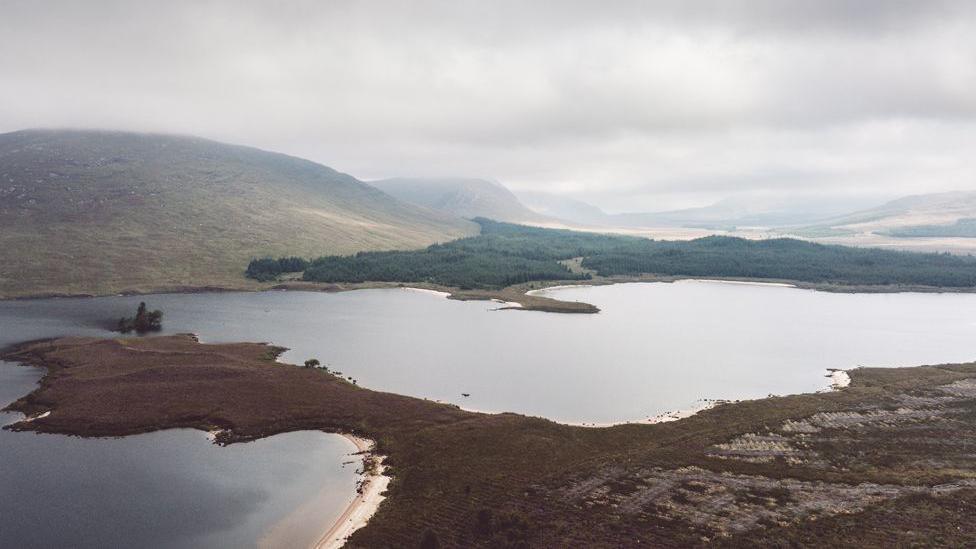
172	489
653	348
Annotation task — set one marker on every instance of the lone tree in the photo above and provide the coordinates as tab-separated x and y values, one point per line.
144	321
312	363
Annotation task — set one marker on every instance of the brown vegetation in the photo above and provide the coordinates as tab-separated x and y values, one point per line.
888	460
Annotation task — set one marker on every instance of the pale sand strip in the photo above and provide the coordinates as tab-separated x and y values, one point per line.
741	282
839	379
41	415
365	504
663	417
700	405
542	291
427	291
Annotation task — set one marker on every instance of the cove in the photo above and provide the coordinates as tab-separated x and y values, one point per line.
168	489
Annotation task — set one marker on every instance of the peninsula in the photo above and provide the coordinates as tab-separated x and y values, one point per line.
886	460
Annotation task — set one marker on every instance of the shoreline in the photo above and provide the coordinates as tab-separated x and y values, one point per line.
369	495
428	291
701	405
742	282
520	297
839	379
496	458
374	483
560	287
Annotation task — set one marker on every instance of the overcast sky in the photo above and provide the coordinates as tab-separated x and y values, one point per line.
632	105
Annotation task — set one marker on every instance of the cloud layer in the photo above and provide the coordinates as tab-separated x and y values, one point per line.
634	105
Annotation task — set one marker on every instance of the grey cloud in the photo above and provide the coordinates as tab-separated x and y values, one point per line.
607	99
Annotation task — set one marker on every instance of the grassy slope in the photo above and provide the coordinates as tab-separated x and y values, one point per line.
101	212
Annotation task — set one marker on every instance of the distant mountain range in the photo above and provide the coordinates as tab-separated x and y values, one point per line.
567	209
461	197
100	212
733	212
931	215
911	222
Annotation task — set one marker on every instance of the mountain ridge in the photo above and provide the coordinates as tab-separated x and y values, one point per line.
726	213
104	211
462	197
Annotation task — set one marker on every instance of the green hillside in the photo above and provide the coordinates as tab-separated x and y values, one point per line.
102	212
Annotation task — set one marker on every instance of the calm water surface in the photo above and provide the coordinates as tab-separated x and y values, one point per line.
170	489
653	348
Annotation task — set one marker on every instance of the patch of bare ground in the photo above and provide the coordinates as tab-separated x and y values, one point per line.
887	460
725	503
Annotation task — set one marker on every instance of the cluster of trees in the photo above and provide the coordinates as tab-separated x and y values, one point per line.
448	267
787	259
144	321
505	254
313	363
502	255
267	268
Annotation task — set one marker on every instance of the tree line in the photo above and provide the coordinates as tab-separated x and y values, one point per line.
266	269
786	259
505	254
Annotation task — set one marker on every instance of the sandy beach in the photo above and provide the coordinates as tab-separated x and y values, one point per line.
366	502
839	379
428	291
742	282
543	291
663	417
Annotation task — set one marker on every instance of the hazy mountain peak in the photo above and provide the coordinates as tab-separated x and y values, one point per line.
459	196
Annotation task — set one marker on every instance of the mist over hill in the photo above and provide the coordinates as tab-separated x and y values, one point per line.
745	210
903	216
566	208
98	212
461	197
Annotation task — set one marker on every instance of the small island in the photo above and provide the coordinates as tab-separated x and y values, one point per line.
144	322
